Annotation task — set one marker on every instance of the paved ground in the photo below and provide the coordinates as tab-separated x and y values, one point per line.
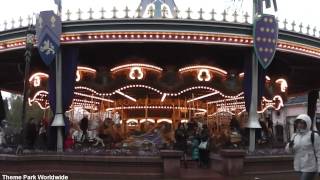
206	174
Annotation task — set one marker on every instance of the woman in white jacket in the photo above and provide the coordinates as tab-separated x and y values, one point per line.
306	153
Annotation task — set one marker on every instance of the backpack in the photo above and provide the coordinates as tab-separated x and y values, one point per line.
312	142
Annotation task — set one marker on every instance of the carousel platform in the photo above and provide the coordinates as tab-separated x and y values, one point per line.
167	165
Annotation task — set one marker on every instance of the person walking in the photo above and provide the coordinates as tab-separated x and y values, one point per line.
305	145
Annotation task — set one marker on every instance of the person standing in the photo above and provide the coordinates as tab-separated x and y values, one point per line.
305	145
204	151
84	123
181	141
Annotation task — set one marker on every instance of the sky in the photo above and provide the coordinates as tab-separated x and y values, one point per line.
306	11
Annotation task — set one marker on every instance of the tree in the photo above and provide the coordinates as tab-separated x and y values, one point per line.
14	110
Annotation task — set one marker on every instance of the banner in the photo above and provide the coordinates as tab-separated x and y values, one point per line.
48	31
69	68
265	37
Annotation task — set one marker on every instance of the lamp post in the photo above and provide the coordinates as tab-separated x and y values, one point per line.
30	37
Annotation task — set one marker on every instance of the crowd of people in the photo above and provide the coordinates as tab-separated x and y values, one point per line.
192	137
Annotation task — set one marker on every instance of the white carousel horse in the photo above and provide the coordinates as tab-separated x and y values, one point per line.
91	135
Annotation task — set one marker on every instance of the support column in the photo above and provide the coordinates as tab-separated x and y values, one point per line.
58	118
253	115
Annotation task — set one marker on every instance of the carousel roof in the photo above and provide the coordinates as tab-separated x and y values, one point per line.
170	43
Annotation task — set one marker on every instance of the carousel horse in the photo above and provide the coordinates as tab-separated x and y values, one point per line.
92	136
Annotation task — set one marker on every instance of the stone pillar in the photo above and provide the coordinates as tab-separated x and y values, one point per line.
171	163
232	161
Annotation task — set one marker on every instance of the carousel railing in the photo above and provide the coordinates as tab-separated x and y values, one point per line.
189	14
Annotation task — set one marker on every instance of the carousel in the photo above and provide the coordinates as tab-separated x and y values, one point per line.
161	69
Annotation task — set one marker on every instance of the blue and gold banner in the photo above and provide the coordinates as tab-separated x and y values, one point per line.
265	34
48	31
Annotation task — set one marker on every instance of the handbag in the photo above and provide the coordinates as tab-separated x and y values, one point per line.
203	145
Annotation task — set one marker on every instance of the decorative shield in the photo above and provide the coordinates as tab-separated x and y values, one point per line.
265	36
48	31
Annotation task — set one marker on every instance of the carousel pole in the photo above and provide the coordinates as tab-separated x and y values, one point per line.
207	114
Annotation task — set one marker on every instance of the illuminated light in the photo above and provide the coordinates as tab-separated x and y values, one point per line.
96	37
164	120
215	69
101	36
72	38
86	69
38	74
207	74
154	107
221	111
34	99
67	38
126	66
78	38
78	76
85	101
184	121
201	97
132	121
132	73
163	97
132	36
268	78
280	105
89	37
36	81
283	84
62	39
147	120
241	75
93	97
127	96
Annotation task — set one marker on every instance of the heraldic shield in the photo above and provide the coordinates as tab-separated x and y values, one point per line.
265	36
48	31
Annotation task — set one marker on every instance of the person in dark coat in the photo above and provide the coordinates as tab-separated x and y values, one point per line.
31	133
204	151
84	128
181	141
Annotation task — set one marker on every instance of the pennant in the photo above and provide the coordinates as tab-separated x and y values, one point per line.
48	31
265	35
